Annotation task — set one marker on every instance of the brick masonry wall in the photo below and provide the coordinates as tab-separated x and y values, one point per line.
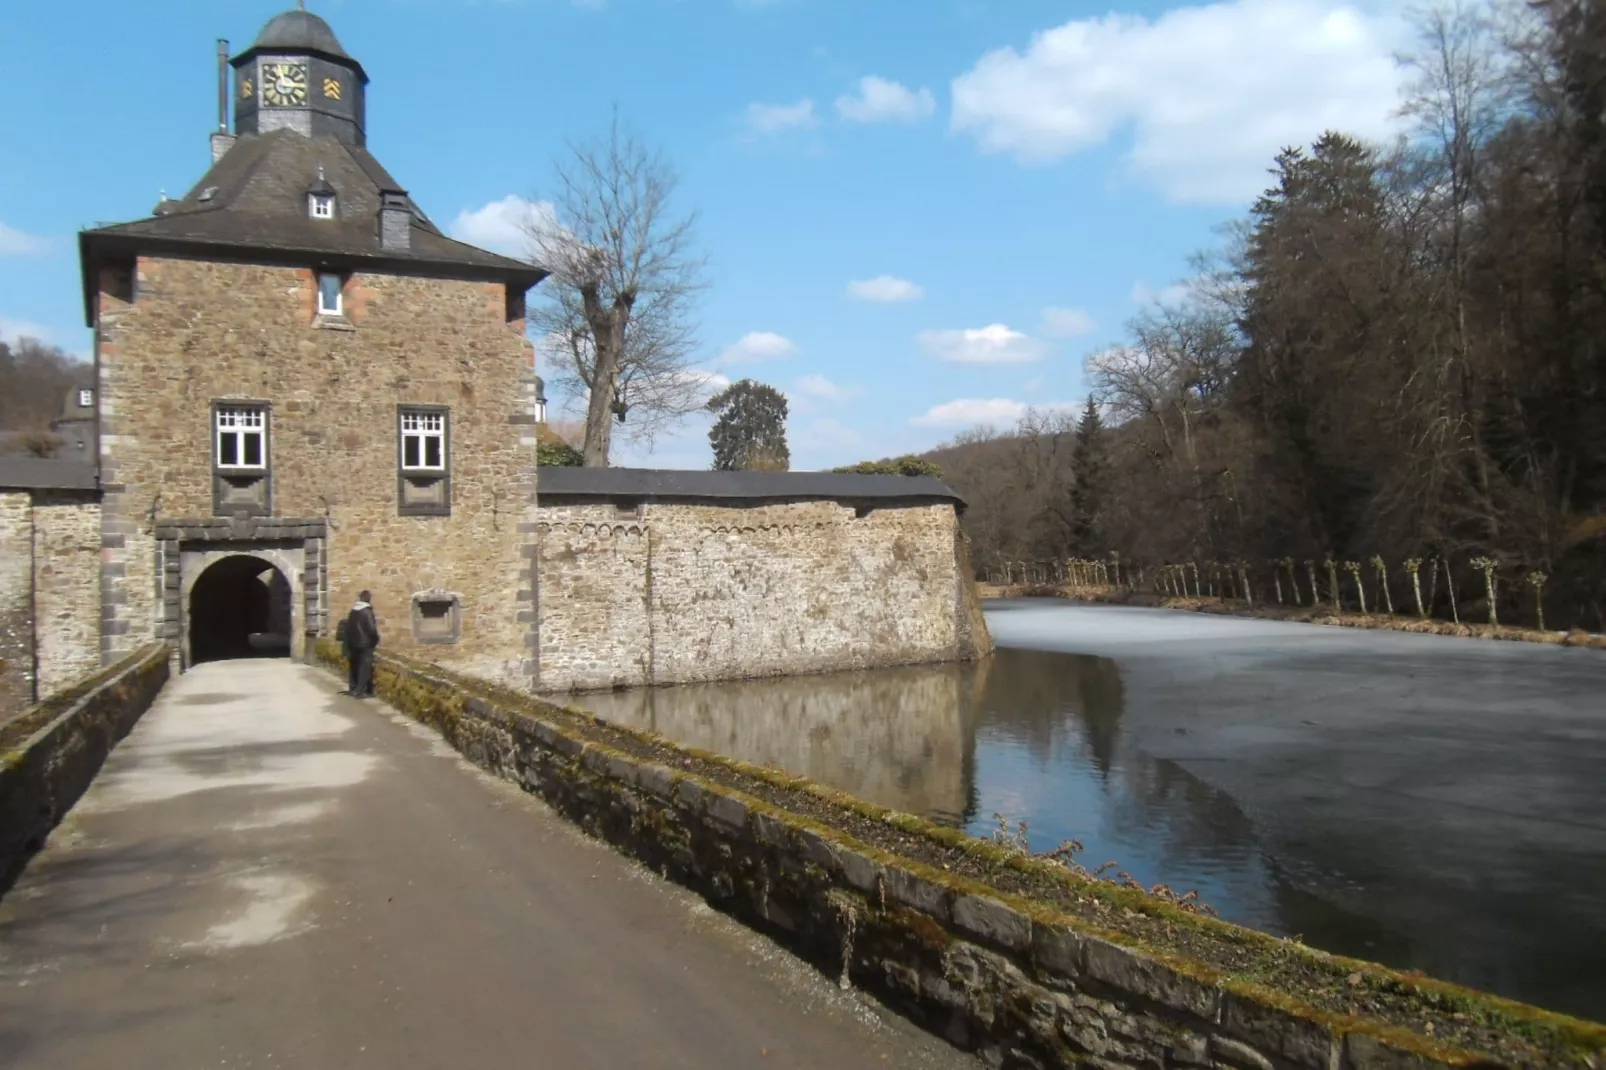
16	601
697	592
66	554
200	331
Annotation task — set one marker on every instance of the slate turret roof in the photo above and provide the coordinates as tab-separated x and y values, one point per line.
253	201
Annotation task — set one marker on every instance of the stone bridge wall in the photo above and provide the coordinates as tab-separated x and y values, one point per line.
1016	978
669	592
50	752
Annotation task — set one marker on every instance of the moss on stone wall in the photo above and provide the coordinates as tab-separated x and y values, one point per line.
1008	955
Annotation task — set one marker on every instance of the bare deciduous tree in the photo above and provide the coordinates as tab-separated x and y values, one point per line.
617	314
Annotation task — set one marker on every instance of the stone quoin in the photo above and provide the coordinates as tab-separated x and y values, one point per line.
304	388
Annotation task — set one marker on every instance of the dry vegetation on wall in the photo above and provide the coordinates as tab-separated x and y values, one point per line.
1396	356
1440	1021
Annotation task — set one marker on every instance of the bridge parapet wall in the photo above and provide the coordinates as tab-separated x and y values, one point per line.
1007	955
50	752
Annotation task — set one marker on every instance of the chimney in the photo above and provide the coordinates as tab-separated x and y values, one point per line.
222	140
395	221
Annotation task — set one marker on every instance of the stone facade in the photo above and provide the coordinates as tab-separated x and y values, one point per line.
194	332
668	592
49	592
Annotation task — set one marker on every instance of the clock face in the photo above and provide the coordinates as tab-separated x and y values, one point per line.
284	83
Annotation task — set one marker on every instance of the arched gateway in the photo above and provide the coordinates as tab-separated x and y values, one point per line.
240	606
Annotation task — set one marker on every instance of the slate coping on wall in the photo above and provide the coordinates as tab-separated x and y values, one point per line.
1015	979
47	473
562	484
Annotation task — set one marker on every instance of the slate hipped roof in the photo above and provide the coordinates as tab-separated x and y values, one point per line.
253	202
662	484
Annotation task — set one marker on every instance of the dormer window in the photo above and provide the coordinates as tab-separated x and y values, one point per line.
86	398
321	198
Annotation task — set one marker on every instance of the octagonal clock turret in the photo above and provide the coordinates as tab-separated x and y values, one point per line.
296	76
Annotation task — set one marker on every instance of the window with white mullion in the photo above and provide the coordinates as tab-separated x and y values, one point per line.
242	437
423	437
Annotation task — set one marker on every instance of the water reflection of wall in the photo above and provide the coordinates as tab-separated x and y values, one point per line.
1046	701
897	737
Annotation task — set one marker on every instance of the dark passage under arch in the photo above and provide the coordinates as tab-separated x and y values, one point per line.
239	608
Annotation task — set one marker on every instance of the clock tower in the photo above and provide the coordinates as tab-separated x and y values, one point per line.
295	76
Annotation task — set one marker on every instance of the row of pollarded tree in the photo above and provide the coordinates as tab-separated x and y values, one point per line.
1398	353
1367	587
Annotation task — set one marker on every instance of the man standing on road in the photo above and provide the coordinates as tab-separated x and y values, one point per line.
360	635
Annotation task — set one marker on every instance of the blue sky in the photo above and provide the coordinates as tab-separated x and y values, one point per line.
919	214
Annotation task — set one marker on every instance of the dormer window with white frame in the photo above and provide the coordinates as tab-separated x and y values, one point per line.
330	294
321	198
86	398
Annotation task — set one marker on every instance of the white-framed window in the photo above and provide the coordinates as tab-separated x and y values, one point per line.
86	398
321	205
329	294
242	437
423	440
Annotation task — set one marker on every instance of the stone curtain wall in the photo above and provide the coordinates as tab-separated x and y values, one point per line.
199	331
1012	978
684	591
66	530
49	592
16	600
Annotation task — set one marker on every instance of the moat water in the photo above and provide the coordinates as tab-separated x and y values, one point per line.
1430	803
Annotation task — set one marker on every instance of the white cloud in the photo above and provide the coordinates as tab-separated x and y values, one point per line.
993	344
973	412
1066	322
881	101
756	346
14	242
13	331
1210	92
813	391
773	118
968	412
1168	296
885	290
503	226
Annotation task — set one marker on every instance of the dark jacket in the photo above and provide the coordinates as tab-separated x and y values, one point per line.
362	630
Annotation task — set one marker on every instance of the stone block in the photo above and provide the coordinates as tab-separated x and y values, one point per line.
918	893
770	829
1237	1053
861	871
1132	971
569	745
727	810
657	779
992	921
818	850
1057	951
689	793
1363	1051
1279	1033
622	769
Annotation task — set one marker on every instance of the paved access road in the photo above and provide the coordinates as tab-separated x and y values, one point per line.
267	874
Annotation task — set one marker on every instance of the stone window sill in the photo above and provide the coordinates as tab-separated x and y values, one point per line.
327	322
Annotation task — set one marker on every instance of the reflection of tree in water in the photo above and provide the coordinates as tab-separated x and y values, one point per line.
1039	698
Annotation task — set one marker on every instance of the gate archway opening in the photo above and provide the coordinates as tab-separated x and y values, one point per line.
239	608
